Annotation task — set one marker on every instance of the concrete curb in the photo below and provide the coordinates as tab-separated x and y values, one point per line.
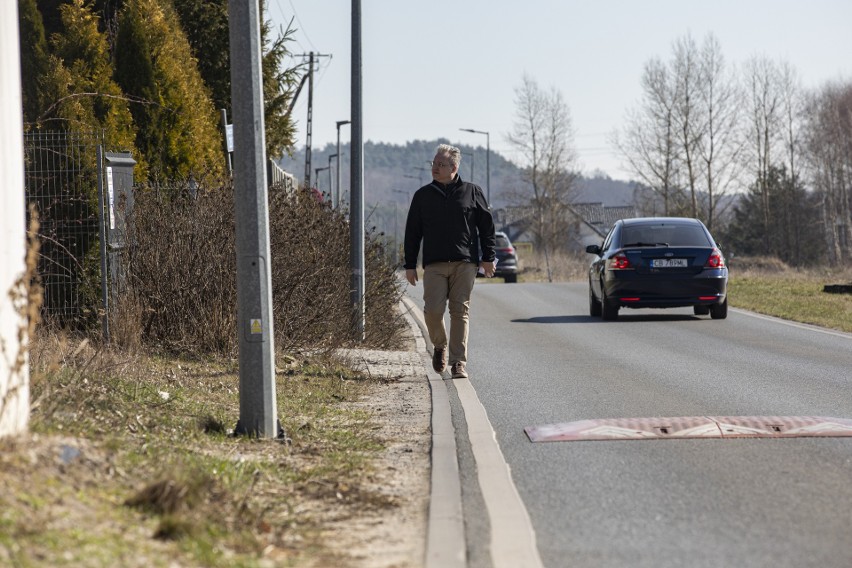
445	537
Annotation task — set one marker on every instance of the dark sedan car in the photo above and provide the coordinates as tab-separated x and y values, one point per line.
658	262
507	259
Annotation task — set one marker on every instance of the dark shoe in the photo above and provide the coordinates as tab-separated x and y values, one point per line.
459	371
439	359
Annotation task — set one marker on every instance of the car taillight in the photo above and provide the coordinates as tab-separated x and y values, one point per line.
507	250
716	260
619	262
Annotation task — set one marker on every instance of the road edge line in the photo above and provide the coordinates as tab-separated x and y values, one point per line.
446	546
513	541
792	323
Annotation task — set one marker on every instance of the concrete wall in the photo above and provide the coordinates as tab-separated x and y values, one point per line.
14	377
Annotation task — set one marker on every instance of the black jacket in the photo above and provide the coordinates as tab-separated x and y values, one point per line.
454	222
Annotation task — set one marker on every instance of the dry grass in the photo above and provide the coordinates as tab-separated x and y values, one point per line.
772	288
129	463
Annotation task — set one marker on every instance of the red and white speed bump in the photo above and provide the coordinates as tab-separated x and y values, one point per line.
692	427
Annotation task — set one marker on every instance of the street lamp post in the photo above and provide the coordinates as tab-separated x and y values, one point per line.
487	160
396	225
471	154
316	176
336	202
331	185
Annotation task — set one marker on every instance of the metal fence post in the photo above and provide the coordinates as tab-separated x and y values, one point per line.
103	239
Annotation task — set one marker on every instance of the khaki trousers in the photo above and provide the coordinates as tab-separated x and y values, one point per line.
451	282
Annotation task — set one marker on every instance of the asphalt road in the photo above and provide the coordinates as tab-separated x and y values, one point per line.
536	357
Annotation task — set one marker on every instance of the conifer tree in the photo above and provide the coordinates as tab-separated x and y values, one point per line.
34	58
206	25
79	89
177	124
278	90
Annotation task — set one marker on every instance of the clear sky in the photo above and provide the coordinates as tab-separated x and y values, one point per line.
431	68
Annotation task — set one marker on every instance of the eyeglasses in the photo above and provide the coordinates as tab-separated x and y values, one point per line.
441	164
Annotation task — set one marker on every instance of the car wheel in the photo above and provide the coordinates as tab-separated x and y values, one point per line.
609	310
701	310
719	311
510	278
594	304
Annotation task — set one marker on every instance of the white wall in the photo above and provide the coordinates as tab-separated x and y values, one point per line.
14	384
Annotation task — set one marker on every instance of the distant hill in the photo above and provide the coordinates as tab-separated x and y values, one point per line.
610	192
393	172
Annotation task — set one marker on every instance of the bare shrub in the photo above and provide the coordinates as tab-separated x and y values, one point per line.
385	326
181	278
181	269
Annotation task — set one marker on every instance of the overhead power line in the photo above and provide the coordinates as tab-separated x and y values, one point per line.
312	57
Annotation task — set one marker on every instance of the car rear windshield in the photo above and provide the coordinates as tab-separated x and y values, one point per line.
671	235
502	242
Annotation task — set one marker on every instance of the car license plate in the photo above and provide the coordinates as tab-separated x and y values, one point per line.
669	263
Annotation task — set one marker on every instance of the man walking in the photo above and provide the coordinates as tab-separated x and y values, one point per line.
453	220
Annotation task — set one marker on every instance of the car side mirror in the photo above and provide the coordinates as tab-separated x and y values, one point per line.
594	249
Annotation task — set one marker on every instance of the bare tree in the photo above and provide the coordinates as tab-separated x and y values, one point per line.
791	117
543	135
792	108
689	116
764	106
718	145
828	143
682	139
648	143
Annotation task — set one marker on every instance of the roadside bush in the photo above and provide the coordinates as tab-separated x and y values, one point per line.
181	274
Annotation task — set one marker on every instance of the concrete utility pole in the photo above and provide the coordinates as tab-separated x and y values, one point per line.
258	408
14	365
356	169
309	125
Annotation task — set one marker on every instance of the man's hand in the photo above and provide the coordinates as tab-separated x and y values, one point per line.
411	276
489	268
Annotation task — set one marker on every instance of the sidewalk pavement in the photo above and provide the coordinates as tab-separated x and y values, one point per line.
418	472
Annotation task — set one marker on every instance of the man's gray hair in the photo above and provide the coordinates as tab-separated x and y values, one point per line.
453	152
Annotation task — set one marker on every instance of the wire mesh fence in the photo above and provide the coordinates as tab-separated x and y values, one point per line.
83	197
61	179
